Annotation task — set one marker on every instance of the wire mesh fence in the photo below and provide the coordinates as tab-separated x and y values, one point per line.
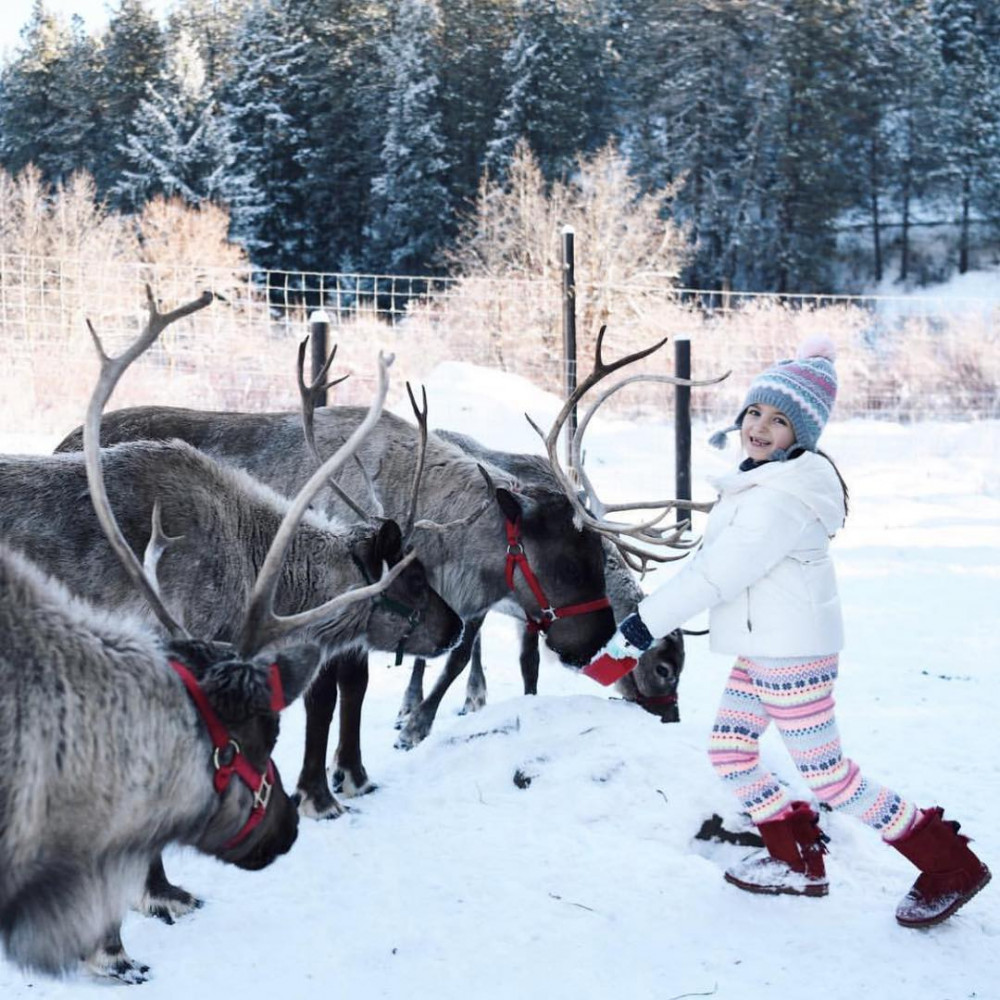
898	358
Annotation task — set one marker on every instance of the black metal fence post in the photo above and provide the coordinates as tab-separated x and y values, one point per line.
319	329
569	330
682	424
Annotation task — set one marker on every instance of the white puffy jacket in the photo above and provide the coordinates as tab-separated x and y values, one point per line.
764	568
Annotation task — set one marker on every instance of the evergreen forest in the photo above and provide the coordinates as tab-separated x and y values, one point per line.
798	145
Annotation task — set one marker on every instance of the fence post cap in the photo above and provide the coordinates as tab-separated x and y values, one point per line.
319	316
568	230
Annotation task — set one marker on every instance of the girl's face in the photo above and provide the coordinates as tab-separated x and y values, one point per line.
764	429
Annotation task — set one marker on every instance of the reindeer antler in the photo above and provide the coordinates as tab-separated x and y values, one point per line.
595	502
309	395
112	370
262	625
595	519
421	415
159	542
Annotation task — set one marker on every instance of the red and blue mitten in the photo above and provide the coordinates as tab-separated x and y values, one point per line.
620	654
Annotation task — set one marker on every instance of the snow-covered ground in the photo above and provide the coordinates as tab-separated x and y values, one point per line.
452	882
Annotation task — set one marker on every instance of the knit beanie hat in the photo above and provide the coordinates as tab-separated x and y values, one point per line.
803	388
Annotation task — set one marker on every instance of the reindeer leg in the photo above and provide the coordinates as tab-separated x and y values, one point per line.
315	797
110	960
349	775
164	900
529	661
418	725
414	693
475	686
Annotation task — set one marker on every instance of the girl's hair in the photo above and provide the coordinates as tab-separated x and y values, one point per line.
843	484
799	450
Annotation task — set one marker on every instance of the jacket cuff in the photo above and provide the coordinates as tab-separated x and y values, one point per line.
633	628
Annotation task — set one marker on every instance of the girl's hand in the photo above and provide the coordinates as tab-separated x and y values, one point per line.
613	660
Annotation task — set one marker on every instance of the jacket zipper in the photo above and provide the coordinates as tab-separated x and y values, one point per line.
749	623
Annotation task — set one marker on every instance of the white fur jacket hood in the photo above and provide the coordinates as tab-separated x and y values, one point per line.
763	569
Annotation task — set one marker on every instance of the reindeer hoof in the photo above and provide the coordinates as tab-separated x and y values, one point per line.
472	705
321	806
169	904
414	732
116	965
410	737
351	785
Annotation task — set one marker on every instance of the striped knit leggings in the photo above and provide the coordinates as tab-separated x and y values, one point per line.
797	694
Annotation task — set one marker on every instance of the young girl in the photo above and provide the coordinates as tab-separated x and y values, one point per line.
765	574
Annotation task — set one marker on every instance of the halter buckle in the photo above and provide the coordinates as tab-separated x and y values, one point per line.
515	549
217	755
262	796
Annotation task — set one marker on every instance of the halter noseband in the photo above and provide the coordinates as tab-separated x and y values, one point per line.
654	701
516	559
227	756
414	616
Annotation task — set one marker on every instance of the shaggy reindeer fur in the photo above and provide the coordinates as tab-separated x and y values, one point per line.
652	684
465	562
224	520
104	760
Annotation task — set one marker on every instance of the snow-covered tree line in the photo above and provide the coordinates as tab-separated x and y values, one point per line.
806	144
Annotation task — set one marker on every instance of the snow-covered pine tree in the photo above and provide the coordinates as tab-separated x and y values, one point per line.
179	144
475	35
212	25
686	116
266	107
796	181
341	75
970	115
411	209
133	54
549	72
46	114
900	82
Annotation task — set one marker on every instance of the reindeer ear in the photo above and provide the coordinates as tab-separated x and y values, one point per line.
296	667
388	543
509	504
490	485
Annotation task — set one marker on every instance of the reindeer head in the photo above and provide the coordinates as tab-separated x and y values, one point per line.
409	616
653	683
555	571
240	700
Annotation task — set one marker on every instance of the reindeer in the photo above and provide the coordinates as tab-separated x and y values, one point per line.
219	522
324	592
105	758
653	684
479	532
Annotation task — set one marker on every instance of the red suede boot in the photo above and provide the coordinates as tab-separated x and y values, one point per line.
793	863
950	873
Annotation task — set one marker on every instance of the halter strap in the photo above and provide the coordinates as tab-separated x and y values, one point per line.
413	615
227	756
517	560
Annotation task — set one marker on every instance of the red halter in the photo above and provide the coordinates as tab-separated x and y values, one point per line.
227	757
652	701
516	559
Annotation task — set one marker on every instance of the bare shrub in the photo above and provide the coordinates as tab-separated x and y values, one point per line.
64	261
511	243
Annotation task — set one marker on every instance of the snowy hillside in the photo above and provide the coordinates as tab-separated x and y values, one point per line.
583	879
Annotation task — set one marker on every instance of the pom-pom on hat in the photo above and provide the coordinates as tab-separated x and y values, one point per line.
803	388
